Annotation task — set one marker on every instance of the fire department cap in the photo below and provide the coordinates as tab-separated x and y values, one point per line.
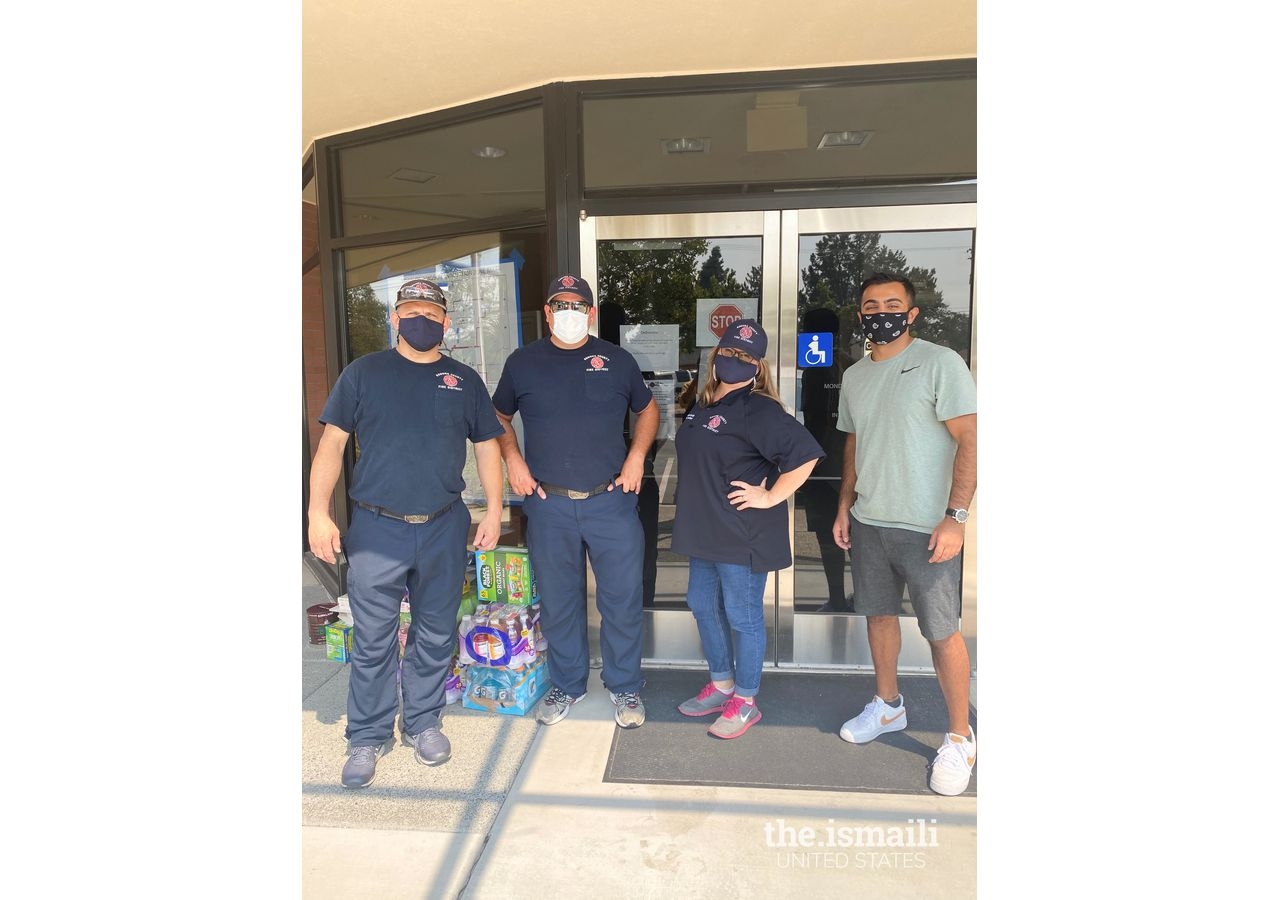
571	284
421	289
745	335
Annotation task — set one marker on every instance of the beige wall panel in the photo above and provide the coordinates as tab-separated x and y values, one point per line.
380	60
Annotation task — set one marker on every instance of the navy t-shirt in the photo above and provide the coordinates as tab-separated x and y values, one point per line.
411	421
744	437
570	403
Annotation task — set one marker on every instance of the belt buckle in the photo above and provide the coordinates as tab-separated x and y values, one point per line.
579	495
416	520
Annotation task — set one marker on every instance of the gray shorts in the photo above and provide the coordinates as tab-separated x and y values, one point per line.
887	559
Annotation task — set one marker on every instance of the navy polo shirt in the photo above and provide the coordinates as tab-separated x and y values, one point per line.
411	421
744	437
571	403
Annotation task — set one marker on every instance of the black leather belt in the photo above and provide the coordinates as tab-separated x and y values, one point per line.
572	494
412	520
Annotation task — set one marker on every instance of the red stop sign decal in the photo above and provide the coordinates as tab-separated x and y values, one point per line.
722	317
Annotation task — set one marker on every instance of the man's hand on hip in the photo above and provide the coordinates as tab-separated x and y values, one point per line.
521	479
632	472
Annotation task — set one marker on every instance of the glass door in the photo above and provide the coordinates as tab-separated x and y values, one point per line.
667	286
826	253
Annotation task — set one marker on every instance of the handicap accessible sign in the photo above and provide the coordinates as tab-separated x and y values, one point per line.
815	350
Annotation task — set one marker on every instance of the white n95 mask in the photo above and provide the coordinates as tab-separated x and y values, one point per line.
569	326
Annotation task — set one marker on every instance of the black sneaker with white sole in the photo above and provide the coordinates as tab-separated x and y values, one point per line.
362	762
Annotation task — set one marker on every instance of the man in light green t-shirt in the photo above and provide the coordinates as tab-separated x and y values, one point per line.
909	411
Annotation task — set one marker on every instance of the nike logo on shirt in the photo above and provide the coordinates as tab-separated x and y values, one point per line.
912	369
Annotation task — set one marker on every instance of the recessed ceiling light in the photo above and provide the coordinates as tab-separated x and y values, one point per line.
844	139
412	175
489	152
685	145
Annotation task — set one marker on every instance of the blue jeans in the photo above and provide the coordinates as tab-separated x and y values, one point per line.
727	601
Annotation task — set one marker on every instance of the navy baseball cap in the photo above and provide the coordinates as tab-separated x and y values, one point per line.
745	335
571	284
421	289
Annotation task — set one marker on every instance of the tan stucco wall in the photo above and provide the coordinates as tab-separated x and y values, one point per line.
379	60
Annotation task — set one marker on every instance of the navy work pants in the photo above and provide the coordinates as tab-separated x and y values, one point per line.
385	555
562	532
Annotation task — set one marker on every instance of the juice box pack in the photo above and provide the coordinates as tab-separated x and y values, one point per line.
469	600
511	692
503	575
337	639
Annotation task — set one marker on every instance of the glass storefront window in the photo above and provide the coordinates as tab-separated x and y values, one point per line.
730	141
458	173
831	266
494	282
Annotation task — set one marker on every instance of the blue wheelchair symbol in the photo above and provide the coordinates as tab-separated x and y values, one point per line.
814	350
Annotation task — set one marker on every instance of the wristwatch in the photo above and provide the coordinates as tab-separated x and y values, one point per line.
960	515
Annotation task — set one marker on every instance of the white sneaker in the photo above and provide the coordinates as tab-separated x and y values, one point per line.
954	764
876	719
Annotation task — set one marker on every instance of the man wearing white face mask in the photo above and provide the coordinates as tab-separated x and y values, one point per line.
581	483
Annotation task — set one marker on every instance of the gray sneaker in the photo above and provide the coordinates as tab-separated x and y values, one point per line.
735	719
709	700
362	762
555	706
430	746
630	709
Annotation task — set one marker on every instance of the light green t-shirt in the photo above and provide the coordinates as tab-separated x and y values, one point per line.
904	453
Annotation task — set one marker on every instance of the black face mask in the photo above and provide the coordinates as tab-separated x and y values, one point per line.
885	327
732	370
421	333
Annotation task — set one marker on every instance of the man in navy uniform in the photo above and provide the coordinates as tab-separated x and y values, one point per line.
581	483
412	410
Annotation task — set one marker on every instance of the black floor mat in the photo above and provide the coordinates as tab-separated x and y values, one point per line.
795	745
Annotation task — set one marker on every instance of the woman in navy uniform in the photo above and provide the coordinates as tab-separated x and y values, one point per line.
741	456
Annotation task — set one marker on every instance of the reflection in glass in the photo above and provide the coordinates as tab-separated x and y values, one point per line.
940	265
444	175
494	283
659	283
732	141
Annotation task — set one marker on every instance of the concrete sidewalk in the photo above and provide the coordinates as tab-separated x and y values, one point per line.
522	809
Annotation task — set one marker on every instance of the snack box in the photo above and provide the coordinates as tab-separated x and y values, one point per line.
509	692
337	638
504	575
